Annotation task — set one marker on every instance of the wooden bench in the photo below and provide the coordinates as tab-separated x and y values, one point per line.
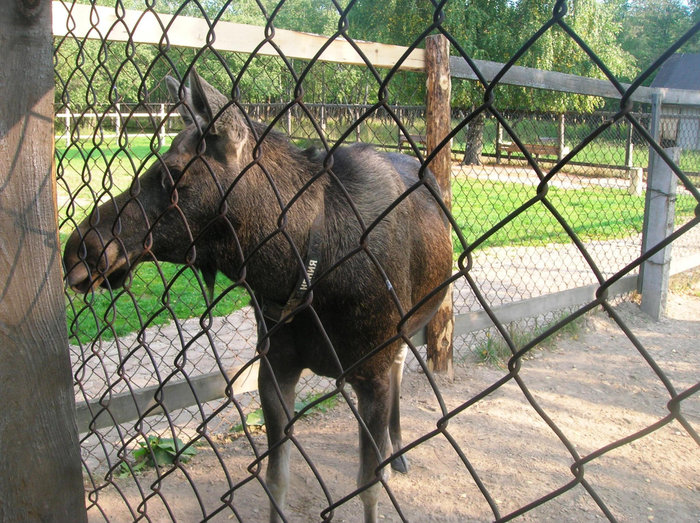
535	149
415	138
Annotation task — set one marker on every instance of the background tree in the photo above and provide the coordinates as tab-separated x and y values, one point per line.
594	22
651	26
555	50
485	29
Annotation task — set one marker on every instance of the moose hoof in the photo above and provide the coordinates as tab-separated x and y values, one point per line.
400	464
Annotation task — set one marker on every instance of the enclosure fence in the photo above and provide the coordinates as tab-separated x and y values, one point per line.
553	215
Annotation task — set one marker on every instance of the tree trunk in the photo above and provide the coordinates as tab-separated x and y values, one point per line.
475	140
40	472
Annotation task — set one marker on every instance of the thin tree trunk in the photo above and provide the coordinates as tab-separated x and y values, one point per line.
475	141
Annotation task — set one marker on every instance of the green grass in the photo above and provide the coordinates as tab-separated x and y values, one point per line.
594	213
494	350
159	293
613	154
106	165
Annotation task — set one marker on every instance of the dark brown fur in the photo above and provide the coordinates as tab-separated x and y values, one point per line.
206	204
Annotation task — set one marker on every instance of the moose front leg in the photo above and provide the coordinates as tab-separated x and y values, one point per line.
277	405
373	400
400	463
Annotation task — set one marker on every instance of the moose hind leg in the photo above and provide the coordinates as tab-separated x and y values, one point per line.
275	406
373	398
400	463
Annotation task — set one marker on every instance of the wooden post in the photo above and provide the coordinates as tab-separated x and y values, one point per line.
68	128
40	471
117	119
499	141
636	175
661	209
161	124
323	118
440	330
560	138
629	148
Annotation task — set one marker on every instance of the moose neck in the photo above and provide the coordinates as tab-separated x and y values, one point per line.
273	213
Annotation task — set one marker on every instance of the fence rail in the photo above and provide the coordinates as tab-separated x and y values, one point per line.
546	233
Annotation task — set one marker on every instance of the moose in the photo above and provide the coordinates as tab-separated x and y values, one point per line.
347	253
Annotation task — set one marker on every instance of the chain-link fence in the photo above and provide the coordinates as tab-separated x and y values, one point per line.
542	203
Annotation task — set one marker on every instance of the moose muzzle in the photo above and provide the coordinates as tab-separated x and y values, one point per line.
90	260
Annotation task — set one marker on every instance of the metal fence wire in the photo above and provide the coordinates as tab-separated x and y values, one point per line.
164	365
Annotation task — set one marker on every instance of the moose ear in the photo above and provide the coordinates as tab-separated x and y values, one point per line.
215	109
174	90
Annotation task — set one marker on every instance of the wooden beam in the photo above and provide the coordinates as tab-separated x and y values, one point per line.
96	22
539	79
564	82
129	406
40	470
438	114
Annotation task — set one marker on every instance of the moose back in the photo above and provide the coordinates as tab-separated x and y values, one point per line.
347	255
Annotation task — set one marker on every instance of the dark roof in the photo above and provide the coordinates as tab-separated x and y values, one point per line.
679	71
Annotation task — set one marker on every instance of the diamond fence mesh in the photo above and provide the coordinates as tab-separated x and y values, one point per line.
542	202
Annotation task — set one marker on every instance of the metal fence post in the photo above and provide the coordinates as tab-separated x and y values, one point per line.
40	469
439	331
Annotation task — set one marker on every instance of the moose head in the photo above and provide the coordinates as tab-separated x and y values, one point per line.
198	201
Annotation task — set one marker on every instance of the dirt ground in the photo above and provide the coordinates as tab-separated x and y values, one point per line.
593	384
